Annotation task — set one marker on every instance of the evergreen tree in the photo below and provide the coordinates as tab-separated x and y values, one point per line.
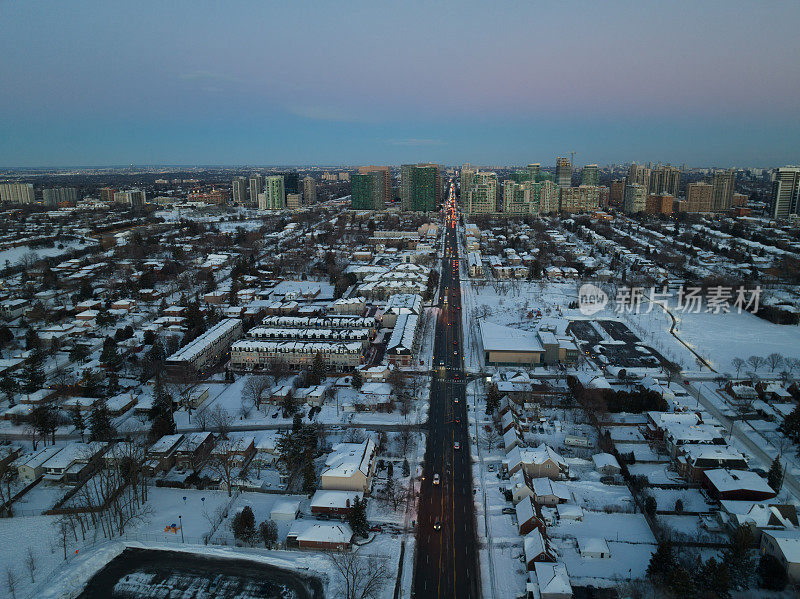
244	525
78	353
9	386
113	383
492	399
662	562
269	533
650	505
32	340
357	517
45	421
739	557
100	426
110	356
33	374
149	337
775	475
309	476
715	579
161	415
389	489
771	573
791	426
156	353
289	405
89	384
406	468
76	416
319	368
358	380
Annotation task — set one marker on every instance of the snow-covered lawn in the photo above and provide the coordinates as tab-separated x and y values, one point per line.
630	528
722	337
15	254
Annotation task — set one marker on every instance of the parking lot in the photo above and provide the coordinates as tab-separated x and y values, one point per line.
624	350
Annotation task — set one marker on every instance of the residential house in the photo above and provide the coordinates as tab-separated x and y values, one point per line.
350	467
785	547
193	450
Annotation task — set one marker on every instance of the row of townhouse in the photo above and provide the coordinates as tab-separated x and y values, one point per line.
252	354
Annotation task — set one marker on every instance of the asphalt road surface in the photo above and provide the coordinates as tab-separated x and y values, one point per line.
446	558
148	574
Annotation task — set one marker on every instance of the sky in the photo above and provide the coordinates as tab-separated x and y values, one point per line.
295	82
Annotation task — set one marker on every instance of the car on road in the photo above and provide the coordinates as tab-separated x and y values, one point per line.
455	352
456	445
435	479
455	343
437	525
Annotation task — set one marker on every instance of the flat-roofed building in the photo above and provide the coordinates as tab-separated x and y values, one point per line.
197	356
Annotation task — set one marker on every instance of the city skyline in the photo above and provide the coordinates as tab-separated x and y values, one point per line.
368	84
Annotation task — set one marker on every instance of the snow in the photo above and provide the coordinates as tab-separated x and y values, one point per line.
15	254
722	337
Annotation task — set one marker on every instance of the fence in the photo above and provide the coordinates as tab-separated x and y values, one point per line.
79	549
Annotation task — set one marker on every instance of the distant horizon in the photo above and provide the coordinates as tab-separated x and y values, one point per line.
376	163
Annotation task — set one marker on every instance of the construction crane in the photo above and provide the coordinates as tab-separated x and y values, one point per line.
572	158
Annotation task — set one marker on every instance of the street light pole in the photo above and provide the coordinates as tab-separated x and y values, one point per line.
180	521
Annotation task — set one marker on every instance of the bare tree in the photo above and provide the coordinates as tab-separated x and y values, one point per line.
395	493
11	582
223	462
792	364
202	418
756	362
361	577
671	370
30	563
8	476
221	421
774	360
738	364
406	438
253	390
62	531
488	438
354	435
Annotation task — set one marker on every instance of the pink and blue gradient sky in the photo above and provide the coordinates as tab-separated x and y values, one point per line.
196	82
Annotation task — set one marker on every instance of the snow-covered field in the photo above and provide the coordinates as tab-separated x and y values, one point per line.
15	254
722	337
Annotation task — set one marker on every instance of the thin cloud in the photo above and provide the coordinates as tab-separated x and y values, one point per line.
416	141
208	76
325	113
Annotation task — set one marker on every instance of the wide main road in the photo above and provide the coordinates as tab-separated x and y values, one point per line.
446	560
